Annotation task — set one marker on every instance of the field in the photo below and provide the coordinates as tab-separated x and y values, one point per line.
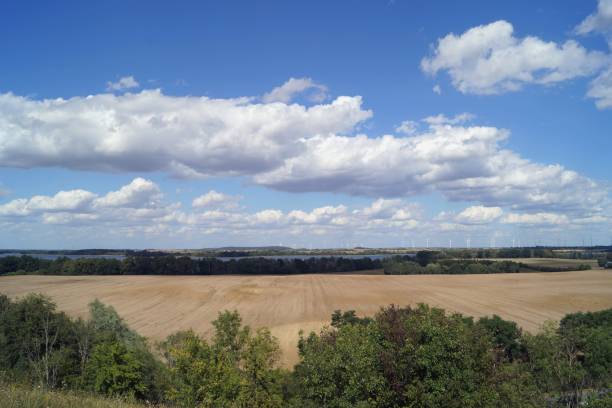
159	305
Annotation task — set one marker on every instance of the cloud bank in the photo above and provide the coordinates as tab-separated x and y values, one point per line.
288	147
141	209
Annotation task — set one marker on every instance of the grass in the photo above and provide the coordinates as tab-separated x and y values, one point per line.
17	396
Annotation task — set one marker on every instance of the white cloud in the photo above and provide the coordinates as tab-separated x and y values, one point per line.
149	131
382	208
15	208
140	205
479	215
267	217
536	219
436	89
489	59
407	127
296	86
72	212
463	163
600	89
598	22
62	201
319	215
127	82
68	218
441	119
285	147
139	193
216	200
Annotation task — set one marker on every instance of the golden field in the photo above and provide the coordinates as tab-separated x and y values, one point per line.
157	306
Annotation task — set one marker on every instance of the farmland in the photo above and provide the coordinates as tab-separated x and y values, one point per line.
160	305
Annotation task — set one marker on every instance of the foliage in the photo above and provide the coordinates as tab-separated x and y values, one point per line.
424	258
338	318
404	266
574	321
183	265
115	370
408	357
506	336
41	346
239	368
571	360
402	357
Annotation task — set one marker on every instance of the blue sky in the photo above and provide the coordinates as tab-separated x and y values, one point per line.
242	123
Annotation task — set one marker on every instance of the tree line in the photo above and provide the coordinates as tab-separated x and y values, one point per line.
528	252
400	357
182	265
434	263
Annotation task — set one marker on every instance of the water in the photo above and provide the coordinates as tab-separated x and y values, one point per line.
305	257
52	257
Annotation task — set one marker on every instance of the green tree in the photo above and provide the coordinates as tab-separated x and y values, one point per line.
230	336
115	370
262	380
238	369
199	377
425	257
340	368
109	326
506	336
555	362
36	340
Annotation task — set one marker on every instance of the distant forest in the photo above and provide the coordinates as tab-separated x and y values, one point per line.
434	263
448	261
183	265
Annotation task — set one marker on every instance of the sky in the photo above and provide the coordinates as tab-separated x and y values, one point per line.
306	124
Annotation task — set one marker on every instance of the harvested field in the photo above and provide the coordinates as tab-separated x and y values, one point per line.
160	305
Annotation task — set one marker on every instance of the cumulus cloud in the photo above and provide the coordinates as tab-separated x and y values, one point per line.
490	59
479	215
139	193
436	89
127	82
333	214
286	147
140	198
442	119
407	127
600	89
536	219
598	22
62	201
286	92
79	210
215	199
140	204
150	131
463	163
